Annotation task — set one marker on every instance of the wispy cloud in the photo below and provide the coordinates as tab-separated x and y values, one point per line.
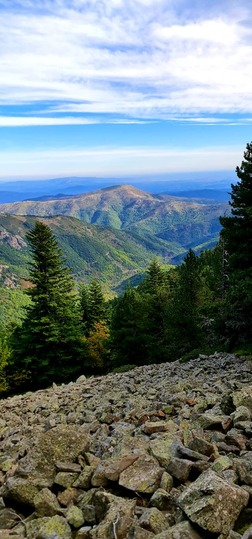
30	121
104	161
145	59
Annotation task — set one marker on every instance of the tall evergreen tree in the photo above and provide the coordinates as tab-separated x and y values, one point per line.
128	330
155	295
93	305
183	316
237	237
49	342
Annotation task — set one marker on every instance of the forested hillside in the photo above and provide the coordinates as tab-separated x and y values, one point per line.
203	305
124	207
113	256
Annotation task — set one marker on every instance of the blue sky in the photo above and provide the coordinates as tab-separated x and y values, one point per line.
123	87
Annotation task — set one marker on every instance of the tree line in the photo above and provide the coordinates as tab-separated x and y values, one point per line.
205	304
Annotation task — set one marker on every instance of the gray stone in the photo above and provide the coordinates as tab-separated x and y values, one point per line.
243	397
212	503
183	530
20	491
248	533
75	517
46	504
8	518
164	448
48	528
180	468
117	521
161	499
143	475
153	520
65	479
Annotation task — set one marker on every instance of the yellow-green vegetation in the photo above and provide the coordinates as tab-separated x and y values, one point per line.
112	256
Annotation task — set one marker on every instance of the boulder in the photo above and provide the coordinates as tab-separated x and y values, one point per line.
183	530
212	503
143	475
46	504
153	520
48	528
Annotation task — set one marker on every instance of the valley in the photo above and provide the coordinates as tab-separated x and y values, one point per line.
111	234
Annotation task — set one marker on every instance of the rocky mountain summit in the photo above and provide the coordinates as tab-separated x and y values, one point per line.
161	451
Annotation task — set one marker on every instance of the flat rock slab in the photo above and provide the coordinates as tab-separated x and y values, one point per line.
143	475
183	530
212	503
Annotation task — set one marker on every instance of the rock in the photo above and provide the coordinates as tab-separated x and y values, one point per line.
117	521
67	451
161	499
83	532
84	478
21	491
209	420
248	533
222	463
8	518
139	533
74	516
46	504
183	530
166	482
243	397
48	528
65	479
150	427
67	467
111	469
202	446
143	475
212	503
242	413
180	468
68	496
153	520
53	446
163	448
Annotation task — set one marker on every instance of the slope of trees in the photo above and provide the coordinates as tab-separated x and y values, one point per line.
237	237
200	306
48	344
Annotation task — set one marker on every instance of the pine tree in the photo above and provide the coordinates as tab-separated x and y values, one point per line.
129	330
93	305
49	342
237	237
155	295
183	317
97	303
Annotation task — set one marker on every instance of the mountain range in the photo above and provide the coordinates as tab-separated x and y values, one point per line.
112	233
203	184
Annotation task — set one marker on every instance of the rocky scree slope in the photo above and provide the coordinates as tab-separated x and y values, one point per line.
162	451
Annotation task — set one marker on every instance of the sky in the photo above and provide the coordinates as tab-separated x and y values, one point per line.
123	87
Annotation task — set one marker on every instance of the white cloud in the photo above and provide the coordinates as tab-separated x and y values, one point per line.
141	58
23	121
112	161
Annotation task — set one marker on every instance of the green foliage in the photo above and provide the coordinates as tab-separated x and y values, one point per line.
93	305
237	238
4	357
128	329
124	368
12	306
49	342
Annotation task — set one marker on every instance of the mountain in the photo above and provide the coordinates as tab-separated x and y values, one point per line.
113	256
11	191
149	217
204	196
